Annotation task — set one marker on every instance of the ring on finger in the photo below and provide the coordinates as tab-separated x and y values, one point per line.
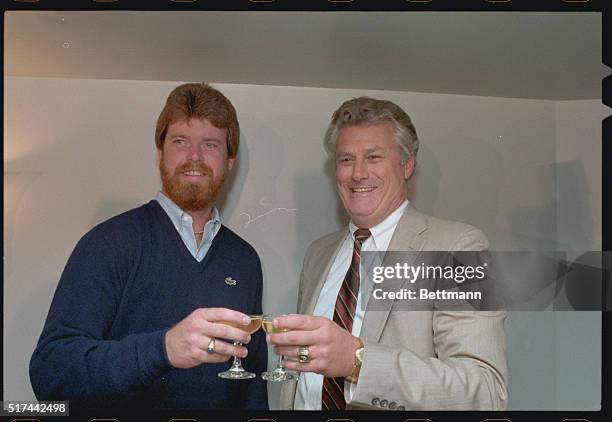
303	354
211	346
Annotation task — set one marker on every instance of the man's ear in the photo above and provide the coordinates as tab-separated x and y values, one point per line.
159	155
409	167
230	163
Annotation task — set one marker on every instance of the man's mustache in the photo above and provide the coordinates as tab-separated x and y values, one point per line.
199	167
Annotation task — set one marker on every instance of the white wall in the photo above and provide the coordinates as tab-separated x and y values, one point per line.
81	151
578	124
556	355
579	219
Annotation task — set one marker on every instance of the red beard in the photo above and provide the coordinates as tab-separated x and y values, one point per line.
191	196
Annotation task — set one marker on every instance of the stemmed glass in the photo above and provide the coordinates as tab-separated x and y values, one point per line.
237	372
279	373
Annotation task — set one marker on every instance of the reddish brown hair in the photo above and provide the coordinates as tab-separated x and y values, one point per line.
201	101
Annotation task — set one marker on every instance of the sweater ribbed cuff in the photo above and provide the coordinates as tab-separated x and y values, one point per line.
152	355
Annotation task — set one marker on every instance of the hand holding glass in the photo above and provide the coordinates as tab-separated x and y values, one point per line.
279	373
237	372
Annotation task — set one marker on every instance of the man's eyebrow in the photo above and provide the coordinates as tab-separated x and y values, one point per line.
182	135
177	135
367	151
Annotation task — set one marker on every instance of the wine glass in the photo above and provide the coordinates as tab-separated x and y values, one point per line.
279	373
236	371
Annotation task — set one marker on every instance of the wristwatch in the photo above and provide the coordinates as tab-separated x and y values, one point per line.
354	375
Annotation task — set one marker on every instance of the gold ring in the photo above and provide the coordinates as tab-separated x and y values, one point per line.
211	346
303	354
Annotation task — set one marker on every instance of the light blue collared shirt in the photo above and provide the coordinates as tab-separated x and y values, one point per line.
183	223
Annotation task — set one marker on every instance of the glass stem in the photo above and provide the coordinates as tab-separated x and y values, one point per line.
237	364
280	363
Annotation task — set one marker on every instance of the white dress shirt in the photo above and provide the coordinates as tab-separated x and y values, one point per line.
183	223
310	384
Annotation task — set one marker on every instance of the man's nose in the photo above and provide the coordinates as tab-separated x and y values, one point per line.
360	170
195	151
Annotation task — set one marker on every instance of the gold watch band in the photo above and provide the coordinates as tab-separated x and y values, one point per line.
354	375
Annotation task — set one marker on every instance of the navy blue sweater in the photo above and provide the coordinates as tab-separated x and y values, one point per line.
127	282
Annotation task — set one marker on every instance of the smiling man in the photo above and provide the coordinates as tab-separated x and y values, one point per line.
351	358
134	320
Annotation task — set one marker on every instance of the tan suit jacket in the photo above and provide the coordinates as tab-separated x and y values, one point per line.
422	360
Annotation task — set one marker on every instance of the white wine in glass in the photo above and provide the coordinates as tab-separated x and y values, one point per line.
279	373
269	327
251	328
237	372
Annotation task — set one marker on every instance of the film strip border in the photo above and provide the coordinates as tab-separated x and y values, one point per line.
606	156
312	5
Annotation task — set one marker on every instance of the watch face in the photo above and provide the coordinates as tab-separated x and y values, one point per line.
359	353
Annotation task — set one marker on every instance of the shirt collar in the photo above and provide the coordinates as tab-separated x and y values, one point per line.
176	214
383	230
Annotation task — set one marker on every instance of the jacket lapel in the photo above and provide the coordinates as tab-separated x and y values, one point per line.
407	237
322	264
322	260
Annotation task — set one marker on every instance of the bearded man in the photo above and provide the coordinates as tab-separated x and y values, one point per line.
134	322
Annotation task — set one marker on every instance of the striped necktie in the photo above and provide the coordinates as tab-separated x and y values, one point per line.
332	397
